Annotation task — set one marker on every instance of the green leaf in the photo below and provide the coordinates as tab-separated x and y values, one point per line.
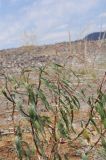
27	151
44	99
39	145
84	157
37	125
19	148
61	129
50	85
31	94
6	95
65	117
75	101
57	156
45	120
86	135
66	157
94	123
32	113
104	123
104	143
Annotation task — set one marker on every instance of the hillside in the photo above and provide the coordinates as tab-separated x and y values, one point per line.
96	36
15	59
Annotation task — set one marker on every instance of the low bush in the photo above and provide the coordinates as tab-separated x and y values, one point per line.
50	101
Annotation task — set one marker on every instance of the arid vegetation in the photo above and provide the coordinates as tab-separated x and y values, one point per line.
56	106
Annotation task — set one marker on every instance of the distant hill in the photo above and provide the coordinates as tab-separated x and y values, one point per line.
95	36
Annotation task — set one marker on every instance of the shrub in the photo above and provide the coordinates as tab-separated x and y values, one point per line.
49	102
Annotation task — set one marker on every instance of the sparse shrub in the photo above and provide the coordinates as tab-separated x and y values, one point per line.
49	103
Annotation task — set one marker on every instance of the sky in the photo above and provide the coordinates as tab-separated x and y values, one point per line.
49	21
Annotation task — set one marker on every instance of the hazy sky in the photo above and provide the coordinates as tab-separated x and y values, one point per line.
49	20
